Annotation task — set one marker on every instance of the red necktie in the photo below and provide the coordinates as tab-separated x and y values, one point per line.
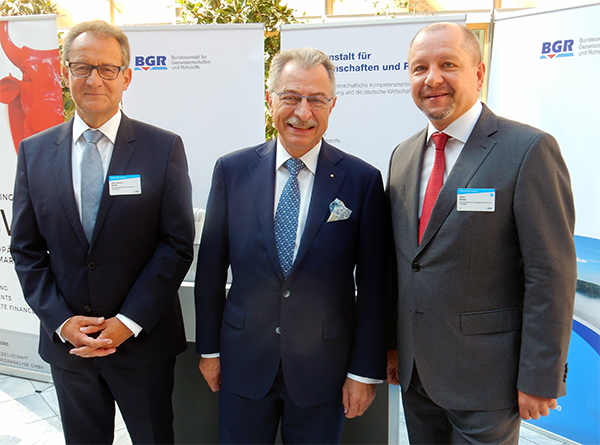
436	180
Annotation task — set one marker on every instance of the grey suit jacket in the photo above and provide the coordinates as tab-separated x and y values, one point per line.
485	302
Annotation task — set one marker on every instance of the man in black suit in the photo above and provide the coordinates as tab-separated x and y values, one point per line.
101	265
487	272
300	337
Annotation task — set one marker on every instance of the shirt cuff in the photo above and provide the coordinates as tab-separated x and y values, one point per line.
366	380
132	325
214	355
59	330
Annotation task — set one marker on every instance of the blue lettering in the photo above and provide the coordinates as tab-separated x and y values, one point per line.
161	60
568	46
139	60
557	46
150	60
545	47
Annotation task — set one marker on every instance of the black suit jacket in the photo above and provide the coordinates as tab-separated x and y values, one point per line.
313	323
485	302
140	251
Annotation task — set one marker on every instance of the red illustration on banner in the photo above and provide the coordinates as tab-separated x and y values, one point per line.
35	101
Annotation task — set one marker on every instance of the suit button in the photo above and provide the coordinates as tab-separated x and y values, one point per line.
286	293
87	308
91	265
416	266
278	330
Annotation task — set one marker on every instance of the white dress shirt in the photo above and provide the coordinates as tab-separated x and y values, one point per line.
459	131
105	146
306	179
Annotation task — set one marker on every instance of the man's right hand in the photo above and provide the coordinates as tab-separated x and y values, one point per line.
86	346
392	368
211	370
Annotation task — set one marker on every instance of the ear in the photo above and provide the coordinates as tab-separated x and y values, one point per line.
127	74
333	102
269	101
65	72
480	75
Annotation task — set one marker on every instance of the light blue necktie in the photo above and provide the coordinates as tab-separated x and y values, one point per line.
92	181
286	216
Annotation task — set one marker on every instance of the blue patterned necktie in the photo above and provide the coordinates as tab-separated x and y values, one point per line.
286	216
92	181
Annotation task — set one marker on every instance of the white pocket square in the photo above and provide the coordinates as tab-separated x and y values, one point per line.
339	212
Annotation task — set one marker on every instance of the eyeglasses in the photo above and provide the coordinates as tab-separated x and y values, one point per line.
315	102
106	72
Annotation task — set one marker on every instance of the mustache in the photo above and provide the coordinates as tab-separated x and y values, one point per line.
296	122
428	92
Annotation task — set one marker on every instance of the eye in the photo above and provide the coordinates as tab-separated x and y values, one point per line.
316	100
109	70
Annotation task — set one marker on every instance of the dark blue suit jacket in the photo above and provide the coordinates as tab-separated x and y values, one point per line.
312	323
140	250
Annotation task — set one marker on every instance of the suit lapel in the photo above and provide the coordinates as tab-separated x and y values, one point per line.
63	174
262	180
121	156
409	168
478	147
328	180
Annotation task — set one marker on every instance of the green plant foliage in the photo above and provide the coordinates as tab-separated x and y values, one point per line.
27	7
270	12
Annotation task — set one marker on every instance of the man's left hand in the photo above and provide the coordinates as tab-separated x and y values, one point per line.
356	397
112	329
532	407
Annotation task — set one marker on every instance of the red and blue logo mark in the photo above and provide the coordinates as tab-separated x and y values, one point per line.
560	48
150	63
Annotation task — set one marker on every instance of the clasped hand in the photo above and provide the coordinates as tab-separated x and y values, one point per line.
81	333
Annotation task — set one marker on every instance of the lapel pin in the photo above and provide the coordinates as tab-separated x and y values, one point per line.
332	175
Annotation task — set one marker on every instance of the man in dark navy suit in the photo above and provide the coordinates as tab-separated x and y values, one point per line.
300	338
103	278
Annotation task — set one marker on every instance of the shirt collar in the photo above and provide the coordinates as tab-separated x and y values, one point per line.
309	158
109	128
462	127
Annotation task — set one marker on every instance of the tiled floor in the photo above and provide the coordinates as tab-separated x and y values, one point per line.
29	415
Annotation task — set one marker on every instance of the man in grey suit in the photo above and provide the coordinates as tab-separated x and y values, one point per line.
487	267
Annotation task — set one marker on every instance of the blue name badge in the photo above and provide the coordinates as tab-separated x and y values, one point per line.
125	185
476	200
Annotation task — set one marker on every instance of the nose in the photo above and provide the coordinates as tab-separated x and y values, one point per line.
434	77
94	78
303	110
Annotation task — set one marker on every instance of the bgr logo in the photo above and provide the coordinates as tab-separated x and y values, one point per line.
146	63
560	48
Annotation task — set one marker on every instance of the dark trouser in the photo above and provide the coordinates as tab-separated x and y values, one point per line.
87	402
246	421
429	423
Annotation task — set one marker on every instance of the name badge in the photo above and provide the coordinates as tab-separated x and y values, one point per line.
125	185
476	200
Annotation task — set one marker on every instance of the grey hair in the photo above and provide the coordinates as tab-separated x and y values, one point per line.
98	27
305	58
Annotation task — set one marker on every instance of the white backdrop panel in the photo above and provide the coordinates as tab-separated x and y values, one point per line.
555	94
209	89
374	110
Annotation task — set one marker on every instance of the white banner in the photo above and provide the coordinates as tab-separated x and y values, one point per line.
544	66
30	100
374	110
204	82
